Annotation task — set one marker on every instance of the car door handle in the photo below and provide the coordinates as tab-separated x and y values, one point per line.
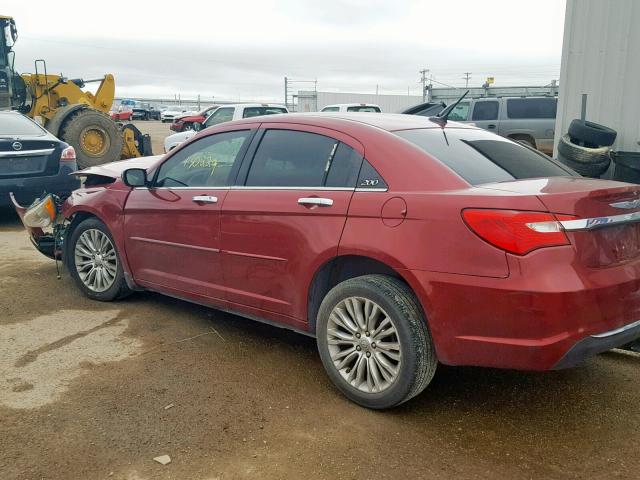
315	201
205	199
491	126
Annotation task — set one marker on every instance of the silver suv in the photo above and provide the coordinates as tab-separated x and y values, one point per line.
528	119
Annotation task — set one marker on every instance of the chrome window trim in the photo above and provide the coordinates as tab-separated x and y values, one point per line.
599	222
365	189
27	153
208	187
622	329
315	189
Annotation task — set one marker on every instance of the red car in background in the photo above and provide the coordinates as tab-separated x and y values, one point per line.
180	124
397	241
122	113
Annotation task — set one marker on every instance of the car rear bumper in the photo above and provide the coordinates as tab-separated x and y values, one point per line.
26	190
540	318
598	343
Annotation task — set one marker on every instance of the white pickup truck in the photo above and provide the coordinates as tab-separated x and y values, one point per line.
225	113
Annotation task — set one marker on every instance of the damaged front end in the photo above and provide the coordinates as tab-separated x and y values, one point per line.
44	223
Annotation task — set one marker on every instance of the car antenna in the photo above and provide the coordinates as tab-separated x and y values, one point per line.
441	118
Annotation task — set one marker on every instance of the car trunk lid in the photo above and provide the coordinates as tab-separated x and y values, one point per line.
600	217
26	157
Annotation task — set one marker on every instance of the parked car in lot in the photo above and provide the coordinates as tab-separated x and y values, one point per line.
32	161
222	114
186	122
530	120
121	113
352	107
397	241
145	111
172	112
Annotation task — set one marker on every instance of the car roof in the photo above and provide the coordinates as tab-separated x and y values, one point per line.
385	121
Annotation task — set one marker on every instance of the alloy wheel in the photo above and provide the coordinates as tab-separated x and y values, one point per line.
364	345
96	260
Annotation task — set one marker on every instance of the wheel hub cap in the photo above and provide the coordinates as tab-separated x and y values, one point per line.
95	260
364	345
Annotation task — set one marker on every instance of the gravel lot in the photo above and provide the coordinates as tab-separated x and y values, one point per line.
92	390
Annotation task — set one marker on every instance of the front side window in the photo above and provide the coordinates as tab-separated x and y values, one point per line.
485	110
460	113
204	163
219	116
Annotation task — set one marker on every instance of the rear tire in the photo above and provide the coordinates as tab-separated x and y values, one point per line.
94	135
384	367
94	262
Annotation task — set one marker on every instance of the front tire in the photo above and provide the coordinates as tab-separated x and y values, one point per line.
94	262
374	342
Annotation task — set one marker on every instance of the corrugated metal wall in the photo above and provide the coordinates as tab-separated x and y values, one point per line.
601	57
388	103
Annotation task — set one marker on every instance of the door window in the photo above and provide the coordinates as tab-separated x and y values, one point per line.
221	115
485	111
204	163
460	113
330	109
287	158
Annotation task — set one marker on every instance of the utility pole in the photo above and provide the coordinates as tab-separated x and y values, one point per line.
286	94
467	76
423	80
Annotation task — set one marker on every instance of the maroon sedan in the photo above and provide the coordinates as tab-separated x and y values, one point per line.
186	122
397	241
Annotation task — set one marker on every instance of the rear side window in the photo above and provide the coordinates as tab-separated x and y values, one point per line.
13	124
485	110
287	158
258	111
532	107
482	157
330	109
363	108
344	168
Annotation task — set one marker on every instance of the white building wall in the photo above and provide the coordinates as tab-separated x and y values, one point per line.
387	103
601	57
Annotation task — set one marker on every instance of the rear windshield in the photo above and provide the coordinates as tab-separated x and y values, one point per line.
12	124
482	157
258	111
363	108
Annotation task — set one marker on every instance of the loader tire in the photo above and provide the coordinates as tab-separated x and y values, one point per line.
95	137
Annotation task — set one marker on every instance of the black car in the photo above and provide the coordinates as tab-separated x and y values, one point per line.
33	161
144	111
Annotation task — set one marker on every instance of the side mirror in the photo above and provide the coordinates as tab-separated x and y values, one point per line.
197	126
135	177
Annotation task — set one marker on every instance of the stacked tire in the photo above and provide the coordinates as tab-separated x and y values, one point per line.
586	148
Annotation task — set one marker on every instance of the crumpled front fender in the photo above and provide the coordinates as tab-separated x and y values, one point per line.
44	242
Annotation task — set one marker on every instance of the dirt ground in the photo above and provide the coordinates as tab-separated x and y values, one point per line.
94	390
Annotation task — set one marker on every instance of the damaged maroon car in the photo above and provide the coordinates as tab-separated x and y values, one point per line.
398	241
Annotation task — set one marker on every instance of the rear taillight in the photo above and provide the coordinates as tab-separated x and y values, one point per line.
515	231
68	155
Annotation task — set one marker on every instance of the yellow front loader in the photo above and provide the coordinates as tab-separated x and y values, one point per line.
74	115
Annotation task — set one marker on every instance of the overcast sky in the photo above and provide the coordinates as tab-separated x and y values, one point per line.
242	50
